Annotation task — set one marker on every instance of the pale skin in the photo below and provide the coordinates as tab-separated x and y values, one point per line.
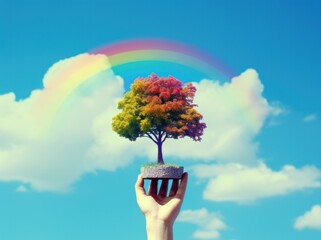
159	208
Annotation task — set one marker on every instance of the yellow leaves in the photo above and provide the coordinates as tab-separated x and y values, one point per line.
145	125
161	104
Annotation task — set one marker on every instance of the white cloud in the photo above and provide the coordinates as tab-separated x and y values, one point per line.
206	234
57	134
310	118
22	188
208	224
234	113
246	184
310	219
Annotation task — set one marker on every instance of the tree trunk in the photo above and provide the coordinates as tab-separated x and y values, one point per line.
160	159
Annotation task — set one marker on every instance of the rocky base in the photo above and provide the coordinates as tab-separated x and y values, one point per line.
162	172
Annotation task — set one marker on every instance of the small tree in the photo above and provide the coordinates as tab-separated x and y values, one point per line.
158	108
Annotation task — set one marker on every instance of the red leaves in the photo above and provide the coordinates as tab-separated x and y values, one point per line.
165	95
169	106
159	108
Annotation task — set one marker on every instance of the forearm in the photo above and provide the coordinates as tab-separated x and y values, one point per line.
159	230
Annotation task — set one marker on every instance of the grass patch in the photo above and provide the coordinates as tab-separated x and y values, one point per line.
160	165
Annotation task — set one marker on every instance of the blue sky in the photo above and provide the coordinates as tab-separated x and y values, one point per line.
274	169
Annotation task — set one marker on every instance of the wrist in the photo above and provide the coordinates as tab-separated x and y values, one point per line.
158	229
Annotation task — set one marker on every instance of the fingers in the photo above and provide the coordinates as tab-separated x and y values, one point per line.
177	190
182	187
163	189
153	187
139	186
174	188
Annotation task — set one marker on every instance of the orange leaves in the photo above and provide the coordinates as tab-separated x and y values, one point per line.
165	95
159	104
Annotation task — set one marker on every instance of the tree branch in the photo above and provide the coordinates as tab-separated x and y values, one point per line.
155	141
162	134
154	132
168	136
164	138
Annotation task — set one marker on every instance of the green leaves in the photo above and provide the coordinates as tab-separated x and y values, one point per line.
158	107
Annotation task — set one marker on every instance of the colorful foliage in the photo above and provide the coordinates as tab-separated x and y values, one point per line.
159	108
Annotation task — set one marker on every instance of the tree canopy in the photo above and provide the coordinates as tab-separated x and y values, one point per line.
159	108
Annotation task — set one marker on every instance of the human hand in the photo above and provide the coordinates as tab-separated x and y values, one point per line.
160	209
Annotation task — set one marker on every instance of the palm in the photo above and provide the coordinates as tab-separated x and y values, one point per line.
161	205
165	207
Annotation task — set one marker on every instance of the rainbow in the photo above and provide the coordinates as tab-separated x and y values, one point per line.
68	76
142	50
